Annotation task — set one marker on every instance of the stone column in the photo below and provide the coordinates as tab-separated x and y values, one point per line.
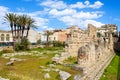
111	42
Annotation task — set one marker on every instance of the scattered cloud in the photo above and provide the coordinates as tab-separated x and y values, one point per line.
40	22
68	20
20	9
117	19
96	5
87	15
27	0
86	4
54	4
83	23
95	23
70	14
57	13
3	10
74	17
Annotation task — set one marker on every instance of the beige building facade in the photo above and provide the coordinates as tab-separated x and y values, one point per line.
106	29
5	37
59	35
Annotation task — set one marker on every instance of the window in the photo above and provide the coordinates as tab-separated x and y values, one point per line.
7	37
2	37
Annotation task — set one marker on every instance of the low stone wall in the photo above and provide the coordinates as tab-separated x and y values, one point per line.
35	46
6	48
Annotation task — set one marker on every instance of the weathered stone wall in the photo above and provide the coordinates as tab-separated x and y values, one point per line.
94	54
94	57
80	38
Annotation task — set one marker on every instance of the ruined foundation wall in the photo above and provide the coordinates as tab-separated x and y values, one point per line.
94	57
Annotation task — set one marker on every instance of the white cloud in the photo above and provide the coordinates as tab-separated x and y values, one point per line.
39	21
117	19
96	5
87	15
3	10
27	0
70	20
70	15
58	9
95	23
55	12
54	4
86	4
73	17
20	9
78	5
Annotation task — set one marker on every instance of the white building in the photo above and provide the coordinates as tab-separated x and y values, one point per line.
33	36
6	36
43	37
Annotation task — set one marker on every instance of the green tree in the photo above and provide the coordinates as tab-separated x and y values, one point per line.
47	34
18	25
10	18
30	23
39	41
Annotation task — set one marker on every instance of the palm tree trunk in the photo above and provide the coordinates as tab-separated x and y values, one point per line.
15	31
27	31
11	25
47	41
23	28
18	34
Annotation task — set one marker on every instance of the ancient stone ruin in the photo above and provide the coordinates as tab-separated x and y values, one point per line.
94	57
79	37
94	53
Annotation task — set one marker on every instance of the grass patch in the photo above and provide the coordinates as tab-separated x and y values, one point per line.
111	71
71	60
29	69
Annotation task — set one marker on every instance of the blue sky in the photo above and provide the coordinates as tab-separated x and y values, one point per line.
61	14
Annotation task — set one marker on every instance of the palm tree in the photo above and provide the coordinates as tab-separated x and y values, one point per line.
18	24
23	24
19	28
10	18
30	22
15	19
47	34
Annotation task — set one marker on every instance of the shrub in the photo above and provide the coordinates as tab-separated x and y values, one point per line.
18	47
39	41
23	45
25	42
1	53
47	63
58	44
